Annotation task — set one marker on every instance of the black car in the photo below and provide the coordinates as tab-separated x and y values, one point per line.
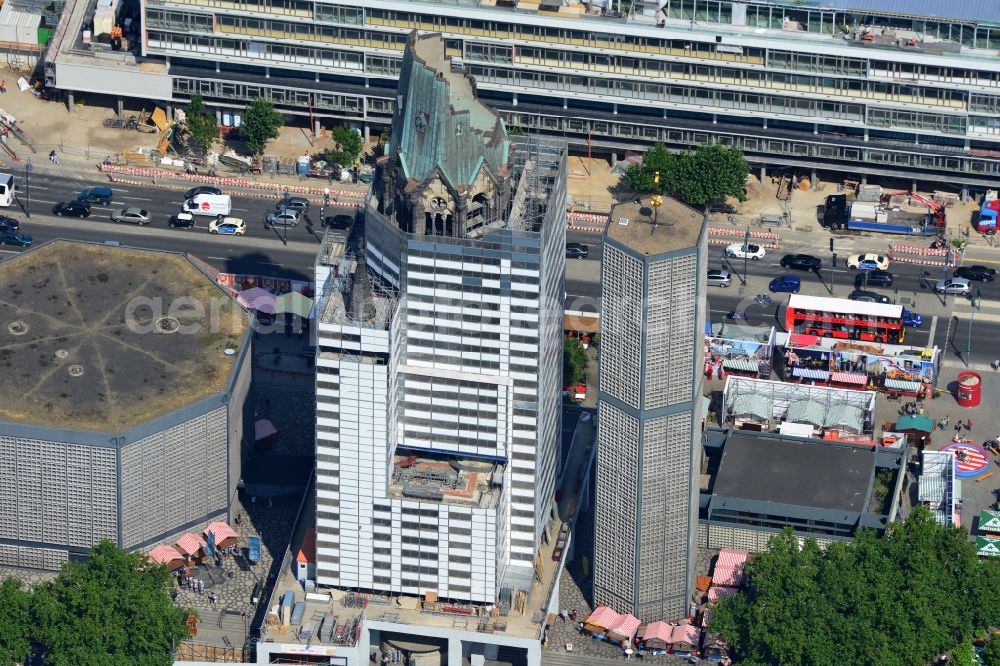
181	221
201	189
577	250
875	278
72	208
869	297
979	273
8	224
802	262
342	222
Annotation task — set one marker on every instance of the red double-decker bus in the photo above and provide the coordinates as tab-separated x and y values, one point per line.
841	318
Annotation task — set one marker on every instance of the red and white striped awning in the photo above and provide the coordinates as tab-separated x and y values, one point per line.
263	429
849	378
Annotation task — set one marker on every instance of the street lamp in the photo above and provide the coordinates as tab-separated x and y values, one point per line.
968	344
746	253
27	188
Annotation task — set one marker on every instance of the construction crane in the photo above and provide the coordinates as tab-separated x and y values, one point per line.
934	208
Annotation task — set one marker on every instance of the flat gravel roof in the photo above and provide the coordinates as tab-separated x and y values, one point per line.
87	343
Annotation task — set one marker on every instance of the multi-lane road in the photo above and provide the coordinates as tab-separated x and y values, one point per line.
270	252
947	322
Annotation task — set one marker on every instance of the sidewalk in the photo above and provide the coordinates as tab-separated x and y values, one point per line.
82	143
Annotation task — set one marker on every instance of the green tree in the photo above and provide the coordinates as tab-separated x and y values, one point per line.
261	123
991	653
642	177
574	362
964	655
709	173
200	123
112	610
696	177
349	145
15	622
900	599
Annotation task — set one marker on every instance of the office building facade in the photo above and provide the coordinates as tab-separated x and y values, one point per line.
649	409
438	374
862	88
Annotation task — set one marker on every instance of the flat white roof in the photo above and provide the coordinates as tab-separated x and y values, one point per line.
844	306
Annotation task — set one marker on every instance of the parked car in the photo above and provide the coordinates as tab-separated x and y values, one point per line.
802	262
953	286
100	194
79	209
288	218
868	261
342	222
15	238
869	297
138	216
577	251
976	272
201	189
786	284
717	278
8	224
912	319
873	278
228	226
745	251
181	220
298	204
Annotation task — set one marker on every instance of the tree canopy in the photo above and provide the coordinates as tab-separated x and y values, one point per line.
902	599
15	622
200	123
696	177
574	361
112	610
261	123
349	145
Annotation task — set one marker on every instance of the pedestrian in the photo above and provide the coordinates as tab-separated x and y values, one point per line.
968	425
3	87
563	614
572	615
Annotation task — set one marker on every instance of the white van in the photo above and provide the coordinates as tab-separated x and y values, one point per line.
210	205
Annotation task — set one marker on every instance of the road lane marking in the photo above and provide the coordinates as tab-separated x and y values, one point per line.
137	198
219	258
934	321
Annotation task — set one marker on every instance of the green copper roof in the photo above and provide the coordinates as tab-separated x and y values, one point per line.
440	125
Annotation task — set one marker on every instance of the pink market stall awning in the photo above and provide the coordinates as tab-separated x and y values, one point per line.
224	534
716	593
626	627
190	544
686	634
166	555
603	617
658	630
257	299
263	429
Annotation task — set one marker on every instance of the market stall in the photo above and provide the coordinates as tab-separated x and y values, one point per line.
685	639
655	637
167	556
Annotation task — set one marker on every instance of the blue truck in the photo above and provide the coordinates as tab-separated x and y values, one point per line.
864	216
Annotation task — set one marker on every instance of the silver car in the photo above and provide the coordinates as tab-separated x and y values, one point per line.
717	278
953	286
298	204
284	218
138	216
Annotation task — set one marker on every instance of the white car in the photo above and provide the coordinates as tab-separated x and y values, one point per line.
869	261
741	251
230	226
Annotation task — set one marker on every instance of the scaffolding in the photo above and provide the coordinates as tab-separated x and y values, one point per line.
536	167
938	488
